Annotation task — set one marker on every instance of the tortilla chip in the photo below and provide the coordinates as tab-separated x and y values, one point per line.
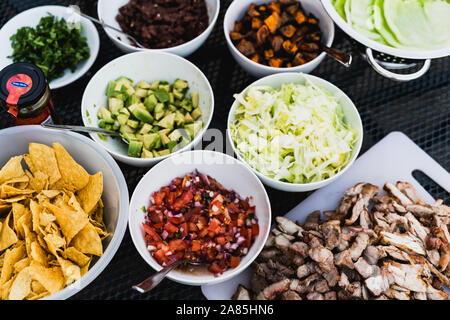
76	256
18	210
11	257
52	279
71	222
73	176
50	193
6	288
22	222
21	264
12	169
88	241
37	288
85	268
7	235
39	180
38	254
13	199
44	160
8	191
71	271
54	243
18	181
5	208
46	218
90	195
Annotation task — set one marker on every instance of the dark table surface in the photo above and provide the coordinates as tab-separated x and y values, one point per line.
420	109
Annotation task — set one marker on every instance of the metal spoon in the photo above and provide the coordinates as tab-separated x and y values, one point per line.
84	129
77	10
152	281
340	56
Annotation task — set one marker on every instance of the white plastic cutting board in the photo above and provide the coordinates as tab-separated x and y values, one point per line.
392	159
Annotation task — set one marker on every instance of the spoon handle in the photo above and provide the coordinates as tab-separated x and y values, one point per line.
81	129
340	56
151	282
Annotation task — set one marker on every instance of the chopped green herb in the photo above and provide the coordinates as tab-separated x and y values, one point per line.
52	45
102	136
143	209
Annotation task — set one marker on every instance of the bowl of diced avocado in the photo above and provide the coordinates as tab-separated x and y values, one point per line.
159	103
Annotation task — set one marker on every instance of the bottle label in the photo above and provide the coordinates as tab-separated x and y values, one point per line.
17	86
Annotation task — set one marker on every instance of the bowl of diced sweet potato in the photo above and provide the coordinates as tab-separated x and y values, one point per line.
267	37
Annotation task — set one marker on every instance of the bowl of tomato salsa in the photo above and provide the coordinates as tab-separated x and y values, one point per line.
203	207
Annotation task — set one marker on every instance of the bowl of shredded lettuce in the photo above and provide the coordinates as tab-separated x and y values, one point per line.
297	132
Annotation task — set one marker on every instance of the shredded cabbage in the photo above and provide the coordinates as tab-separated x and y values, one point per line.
294	134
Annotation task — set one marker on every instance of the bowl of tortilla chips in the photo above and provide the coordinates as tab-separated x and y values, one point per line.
63	212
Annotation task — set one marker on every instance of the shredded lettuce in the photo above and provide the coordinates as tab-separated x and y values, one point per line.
294	134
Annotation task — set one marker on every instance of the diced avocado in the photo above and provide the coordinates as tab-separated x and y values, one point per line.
165	87
105	114
110	91
150	102
154	85
122	118
172	145
143	115
125	111
171	97
135	149
195	98
179	118
193	128
165	131
159	108
180	84
155	153
145	128
133	123
178	94
164	152
168	121
186	104
150	140
162	95
175	135
164	139
143	84
129	136
126	129
115	105
133	107
188	118
159	115
196	113
125	82
141	93
146	153
172	108
158	144
133	99
102	124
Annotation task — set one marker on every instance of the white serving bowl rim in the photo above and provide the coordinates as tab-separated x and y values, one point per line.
121	226
136	233
288	186
181	46
263	67
88	28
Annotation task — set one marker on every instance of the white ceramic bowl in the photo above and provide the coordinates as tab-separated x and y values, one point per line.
108	10
237	10
149	66
14	141
30	18
351	116
232	174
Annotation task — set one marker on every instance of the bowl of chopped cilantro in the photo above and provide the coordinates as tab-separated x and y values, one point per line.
64	46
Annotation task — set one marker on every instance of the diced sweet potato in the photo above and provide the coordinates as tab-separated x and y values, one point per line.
290	47
298	60
300	17
288	31
309	46
292	9
268	53
256	58
312	20
238	26
236	35
252	12
274	6
256	23
276	62
273	22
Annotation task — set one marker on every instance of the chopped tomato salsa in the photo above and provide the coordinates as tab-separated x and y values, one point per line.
195	218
